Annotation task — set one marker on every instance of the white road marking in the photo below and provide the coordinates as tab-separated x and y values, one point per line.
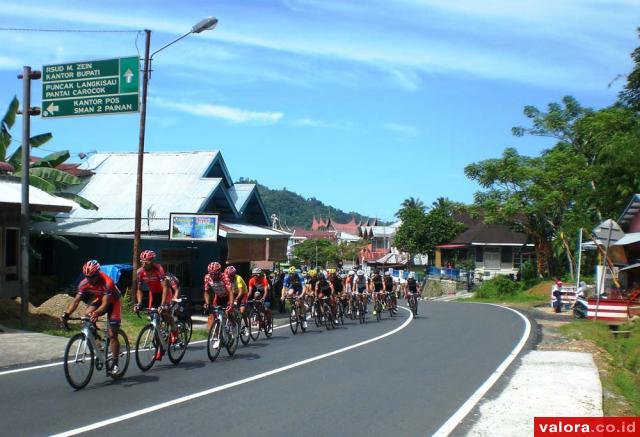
59	363
231	384
459	415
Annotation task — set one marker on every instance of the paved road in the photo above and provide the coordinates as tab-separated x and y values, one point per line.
407	383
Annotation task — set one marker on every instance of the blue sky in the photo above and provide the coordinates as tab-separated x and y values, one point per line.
360	104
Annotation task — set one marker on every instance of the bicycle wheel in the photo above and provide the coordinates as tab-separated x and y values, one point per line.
341	314
214	340
268	325
177	350
327	316
255	319
378	308
318	317
124	355
147	346
361	314
78	361
188	323
294	320
245	330
232	333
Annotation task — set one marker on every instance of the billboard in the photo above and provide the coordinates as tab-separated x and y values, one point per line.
201	227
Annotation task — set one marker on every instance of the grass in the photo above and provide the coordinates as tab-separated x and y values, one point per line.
503	290
622	355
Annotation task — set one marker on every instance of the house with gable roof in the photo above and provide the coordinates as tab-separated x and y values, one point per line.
173	182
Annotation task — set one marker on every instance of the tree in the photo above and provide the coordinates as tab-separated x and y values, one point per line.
412	203
630	94
420	232
317	251
42	173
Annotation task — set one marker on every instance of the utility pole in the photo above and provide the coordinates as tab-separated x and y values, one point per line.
27	111
143	118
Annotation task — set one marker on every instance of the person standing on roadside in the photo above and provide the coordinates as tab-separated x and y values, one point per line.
557	296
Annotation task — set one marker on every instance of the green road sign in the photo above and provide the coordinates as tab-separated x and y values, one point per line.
108	86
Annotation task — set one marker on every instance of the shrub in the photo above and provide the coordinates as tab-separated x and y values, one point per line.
499	286
528	271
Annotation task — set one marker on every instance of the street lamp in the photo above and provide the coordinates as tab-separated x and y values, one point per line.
205	24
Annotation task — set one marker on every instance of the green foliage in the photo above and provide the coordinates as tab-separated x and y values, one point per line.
420	232
42	173
317	251
296	211
630	94
624	355
498	287
528	271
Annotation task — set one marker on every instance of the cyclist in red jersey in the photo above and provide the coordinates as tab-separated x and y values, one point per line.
217	283
153	276
259	284
104	298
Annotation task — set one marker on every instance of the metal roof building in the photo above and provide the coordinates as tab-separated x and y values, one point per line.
173	182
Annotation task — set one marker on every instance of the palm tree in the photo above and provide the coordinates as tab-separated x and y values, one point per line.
410	203
43	174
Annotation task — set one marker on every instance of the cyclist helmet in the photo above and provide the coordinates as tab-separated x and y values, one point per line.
230	271
214	267
256	271
292	270
90	268
147	255
411	274
321	276
313	272
351	273
387	273
360	273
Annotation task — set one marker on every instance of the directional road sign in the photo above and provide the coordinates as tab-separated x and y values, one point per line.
91	88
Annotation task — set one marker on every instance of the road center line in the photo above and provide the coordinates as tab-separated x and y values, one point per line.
219	388
457	417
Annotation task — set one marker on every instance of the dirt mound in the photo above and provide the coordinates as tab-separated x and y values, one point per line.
542	289
58	304
10	309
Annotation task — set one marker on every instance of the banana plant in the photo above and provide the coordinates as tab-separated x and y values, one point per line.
43	174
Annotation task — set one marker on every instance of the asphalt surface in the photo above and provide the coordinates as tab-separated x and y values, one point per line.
408	383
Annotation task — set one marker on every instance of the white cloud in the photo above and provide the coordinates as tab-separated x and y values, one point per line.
234	115
312	122
402	129
419	36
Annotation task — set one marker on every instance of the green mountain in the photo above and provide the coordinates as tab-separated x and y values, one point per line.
293	210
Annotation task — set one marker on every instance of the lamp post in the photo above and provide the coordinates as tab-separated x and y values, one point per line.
205	24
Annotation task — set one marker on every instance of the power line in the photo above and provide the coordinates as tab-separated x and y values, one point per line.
26	29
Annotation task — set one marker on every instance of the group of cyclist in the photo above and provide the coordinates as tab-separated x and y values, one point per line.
222	288
352	287
225	289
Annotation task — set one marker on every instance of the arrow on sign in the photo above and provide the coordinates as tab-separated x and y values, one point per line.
128	75
51	108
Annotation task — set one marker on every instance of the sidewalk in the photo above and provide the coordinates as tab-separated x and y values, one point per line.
22	347
547	384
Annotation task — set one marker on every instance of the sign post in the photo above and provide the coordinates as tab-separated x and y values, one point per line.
108	86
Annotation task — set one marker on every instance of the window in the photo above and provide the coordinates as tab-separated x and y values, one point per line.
479	253
507	255
492	257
